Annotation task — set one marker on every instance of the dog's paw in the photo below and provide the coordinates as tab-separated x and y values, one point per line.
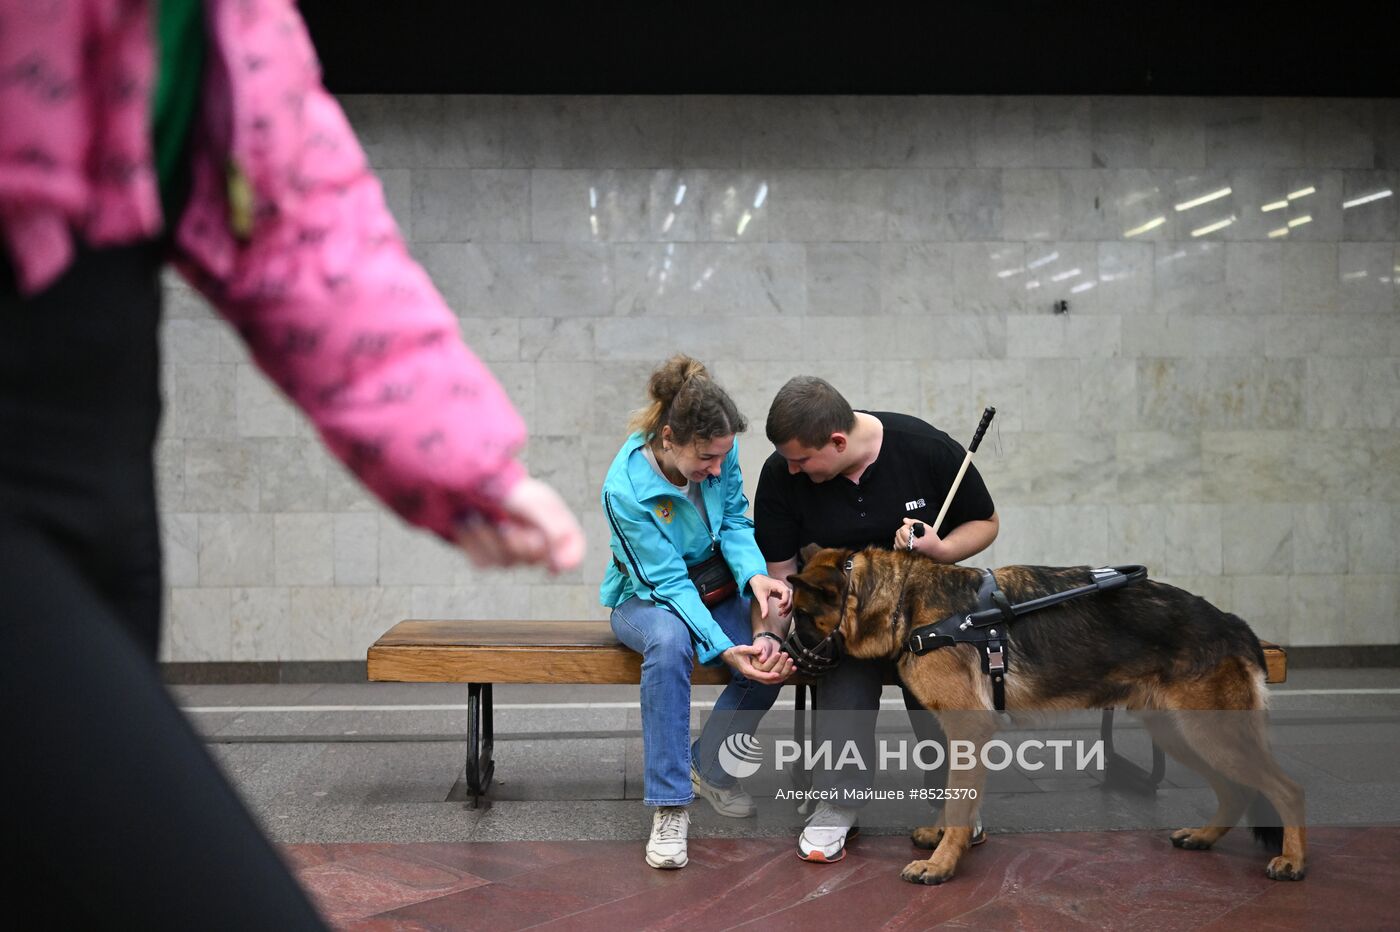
926	836
1191	839
1281	868
924	872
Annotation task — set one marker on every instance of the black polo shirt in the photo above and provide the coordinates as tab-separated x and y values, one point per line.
910	478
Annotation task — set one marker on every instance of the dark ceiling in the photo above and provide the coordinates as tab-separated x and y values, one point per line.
1343	49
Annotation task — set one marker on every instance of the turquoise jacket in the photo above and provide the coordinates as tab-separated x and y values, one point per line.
657	533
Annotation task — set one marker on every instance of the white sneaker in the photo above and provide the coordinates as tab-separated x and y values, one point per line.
729	801
666	847
824	838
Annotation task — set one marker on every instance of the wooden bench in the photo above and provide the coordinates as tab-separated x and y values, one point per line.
484	653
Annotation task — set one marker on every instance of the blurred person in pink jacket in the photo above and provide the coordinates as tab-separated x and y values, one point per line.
135	133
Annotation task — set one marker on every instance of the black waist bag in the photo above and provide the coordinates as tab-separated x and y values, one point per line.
712	579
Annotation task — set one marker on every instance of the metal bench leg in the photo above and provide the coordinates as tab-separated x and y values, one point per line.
1121	773
480	767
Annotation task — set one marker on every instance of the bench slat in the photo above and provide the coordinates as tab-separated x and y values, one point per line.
547	652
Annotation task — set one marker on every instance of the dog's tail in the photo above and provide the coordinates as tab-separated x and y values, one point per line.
1266	824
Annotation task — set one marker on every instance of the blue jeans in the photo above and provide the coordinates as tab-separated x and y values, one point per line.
668	657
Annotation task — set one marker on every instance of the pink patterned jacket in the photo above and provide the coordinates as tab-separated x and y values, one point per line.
285	232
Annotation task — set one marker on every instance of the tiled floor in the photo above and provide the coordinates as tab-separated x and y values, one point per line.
1111	880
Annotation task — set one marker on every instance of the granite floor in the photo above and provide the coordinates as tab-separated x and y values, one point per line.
361	785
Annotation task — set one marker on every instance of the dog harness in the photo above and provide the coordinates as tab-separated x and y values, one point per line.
987	626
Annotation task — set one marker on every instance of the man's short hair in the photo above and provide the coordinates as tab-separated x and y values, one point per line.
809	410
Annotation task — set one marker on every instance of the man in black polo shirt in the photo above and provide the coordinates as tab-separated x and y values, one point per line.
854	479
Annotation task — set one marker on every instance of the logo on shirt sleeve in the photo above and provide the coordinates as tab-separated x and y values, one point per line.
666	510
914	505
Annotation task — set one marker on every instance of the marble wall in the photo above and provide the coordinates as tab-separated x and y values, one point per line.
1221	401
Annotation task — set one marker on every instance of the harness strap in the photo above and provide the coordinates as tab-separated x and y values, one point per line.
988	626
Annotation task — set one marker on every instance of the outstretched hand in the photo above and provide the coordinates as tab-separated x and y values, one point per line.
536	527
742	658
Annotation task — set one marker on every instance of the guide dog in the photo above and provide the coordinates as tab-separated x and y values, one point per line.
1149	647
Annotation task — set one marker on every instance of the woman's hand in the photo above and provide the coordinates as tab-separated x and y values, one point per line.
765	588
536	527
771	658
742	658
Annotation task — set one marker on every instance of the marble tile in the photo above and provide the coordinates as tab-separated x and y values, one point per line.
1125	282
179	538
1317	611
1178	133
621	131
1032	206
197	625
1282	466
220	476
1193	540
409	557
564	397
517	378
959	336
263	411
1257	539
493	339
923	132
291	475
1120	132
942	205
1055	468
550	339
345	493
236	550
1063	336
258	622
957	391
1063	129
1003	132
356	549
1368	609
1158	466
200	401
827	206
170	473
916	278
199	342
407	131
340	623
614	206
481	279
1367	284
990	278
652	280
748	280
1319	538
1138	534
1183	393
181	301
1190	277
1254	132
1310	278
454	205
710	131
1325	336
843	279
624	391
1196	337
1340	133
572	280
559	461
632	339
1264	603
1060	272
552	602
810	131
1352	393
1254	277
1372	534
303	549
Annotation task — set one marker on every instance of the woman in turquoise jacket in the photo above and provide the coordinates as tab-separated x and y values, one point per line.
674	497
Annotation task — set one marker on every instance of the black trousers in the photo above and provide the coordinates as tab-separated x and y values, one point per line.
115	803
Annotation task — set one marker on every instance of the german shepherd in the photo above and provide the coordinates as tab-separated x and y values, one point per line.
1146	646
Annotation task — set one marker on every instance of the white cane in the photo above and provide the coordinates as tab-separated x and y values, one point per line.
917	529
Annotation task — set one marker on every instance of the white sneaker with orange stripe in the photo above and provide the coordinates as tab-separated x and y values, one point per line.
828	828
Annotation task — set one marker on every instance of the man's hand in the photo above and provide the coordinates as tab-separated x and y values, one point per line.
765	588
742	658
536	527
929	544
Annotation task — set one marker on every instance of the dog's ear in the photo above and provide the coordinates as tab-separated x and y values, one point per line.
799	583
807	552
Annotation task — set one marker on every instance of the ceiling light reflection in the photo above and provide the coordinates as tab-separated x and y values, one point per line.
1204	199
762	195
1212	227
1294	195
743	223
680	194
1149	225
1347	205
1299	221
1043	260
1281	231
1276	205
